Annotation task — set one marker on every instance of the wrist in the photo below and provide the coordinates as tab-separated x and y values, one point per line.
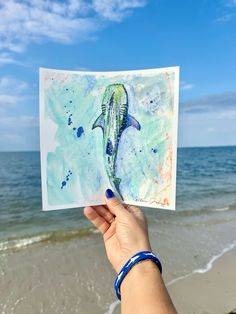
144	269
128	253
134	262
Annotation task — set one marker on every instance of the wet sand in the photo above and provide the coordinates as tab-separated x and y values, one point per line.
61	278
75	277
213	292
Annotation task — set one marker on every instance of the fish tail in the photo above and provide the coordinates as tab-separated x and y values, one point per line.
117	186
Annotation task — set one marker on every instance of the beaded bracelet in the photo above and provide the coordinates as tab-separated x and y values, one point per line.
143	255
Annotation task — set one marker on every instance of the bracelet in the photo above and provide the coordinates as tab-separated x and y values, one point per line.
143	255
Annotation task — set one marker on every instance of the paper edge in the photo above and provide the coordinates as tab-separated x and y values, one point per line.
156	70
45	205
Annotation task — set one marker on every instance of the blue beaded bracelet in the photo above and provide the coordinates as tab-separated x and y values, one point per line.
130	263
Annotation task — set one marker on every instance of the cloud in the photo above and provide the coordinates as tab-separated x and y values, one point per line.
18	130
11	92
25	21
23	121
7	58
116	10
9	84
225	18
185	86
229	11
215	103
230	3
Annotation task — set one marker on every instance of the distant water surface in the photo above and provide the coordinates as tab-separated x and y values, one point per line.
206	182
54	262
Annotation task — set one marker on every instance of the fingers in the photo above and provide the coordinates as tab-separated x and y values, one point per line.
98	221
105	213
133	209
136	211
114	204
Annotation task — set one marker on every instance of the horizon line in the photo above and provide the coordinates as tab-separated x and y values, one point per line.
38	151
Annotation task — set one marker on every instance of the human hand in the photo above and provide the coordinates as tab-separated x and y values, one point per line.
124	230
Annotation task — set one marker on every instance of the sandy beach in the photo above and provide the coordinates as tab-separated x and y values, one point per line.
67	277
210	292
55	263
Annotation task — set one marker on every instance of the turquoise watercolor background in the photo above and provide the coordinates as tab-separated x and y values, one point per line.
75	172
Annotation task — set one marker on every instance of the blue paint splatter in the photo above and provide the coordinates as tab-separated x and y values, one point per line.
63	183
80	131
154	150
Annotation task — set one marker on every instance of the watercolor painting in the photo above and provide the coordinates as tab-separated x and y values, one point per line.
102	130
113	120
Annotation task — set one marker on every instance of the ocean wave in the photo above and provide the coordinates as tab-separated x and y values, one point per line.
21	243
203	270
112	307
223	209
57	236
203	210
208	266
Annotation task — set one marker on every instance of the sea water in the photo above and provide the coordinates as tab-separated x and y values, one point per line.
206	181
54	243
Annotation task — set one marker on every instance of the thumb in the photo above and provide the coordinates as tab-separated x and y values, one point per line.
114	204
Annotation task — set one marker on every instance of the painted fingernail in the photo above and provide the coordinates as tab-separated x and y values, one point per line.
109	193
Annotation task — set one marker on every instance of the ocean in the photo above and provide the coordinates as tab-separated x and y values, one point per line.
55	261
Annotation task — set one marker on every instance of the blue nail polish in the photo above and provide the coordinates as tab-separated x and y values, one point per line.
109	193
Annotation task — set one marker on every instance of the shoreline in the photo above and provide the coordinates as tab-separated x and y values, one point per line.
208	266
188	285
212	291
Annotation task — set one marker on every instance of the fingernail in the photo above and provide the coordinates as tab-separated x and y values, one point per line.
109	193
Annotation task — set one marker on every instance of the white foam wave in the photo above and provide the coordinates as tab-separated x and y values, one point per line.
208	266
112	307
21	243
223	209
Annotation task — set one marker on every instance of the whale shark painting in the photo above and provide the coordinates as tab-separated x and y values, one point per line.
133	153
113	120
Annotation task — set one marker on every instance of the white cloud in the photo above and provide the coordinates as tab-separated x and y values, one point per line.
215	103
209	120
25	21
185	85
228	11
11	92
116	10
230	3
225	18
9	84
7	58
23	121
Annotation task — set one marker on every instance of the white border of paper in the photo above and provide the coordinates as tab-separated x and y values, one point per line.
44	137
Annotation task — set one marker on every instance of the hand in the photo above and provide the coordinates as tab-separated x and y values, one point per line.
124	230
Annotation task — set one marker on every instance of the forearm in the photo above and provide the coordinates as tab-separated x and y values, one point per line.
143	290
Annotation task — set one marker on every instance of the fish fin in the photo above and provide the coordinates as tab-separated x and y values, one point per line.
131	121
99	122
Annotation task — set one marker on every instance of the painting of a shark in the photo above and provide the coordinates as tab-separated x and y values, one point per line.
113	120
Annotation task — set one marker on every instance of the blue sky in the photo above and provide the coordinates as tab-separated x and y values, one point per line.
98	35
